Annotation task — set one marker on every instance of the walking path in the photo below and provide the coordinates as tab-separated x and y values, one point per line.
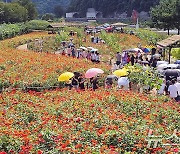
22	47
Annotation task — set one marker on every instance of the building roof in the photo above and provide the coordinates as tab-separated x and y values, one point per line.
170	41
91	10
57	25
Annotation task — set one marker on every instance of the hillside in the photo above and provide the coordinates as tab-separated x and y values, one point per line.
110	7
47	6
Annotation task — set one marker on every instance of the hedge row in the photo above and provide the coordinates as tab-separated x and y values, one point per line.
12	30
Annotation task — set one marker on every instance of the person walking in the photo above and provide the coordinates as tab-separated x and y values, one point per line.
118	58
93	56
177	84
97	57
73	52
94	83
81	81
132	59
173	90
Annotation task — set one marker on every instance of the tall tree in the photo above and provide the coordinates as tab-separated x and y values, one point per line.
12	12
163	14
177	16
30	6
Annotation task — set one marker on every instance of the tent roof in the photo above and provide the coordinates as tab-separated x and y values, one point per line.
55	25
169	41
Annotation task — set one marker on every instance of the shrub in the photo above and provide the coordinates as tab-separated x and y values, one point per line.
176	53
37	25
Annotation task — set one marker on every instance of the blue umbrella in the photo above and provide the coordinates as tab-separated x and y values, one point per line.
177	62
146	50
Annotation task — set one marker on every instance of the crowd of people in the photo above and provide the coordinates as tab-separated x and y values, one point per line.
71	51
136	57
171	88
79	82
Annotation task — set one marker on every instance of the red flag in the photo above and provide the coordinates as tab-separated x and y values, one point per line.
134	15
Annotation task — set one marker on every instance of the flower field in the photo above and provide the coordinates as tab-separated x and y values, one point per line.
22	68
87	122
69	121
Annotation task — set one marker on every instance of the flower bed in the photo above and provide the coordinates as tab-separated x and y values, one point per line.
21	68
68	121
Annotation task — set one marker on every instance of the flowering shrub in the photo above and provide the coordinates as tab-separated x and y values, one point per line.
63	121
146	78
68	121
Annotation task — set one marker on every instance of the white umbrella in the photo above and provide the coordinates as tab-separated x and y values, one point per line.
94	50
162	66
90	48
161	62
172	66
134	50
84	48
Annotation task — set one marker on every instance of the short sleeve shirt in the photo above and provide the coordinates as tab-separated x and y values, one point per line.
173	91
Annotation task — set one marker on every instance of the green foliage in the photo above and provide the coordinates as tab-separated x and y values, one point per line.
47	6
149	36
165	15
145	78
37	24
8	144
111	40
176	53
32	12
48	16
11	30
12	12
62	37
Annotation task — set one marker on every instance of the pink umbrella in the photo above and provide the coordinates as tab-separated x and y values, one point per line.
93	72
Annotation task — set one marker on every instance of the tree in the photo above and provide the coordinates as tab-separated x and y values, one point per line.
58	11
177	16
163	15
48	16
29	5
12	12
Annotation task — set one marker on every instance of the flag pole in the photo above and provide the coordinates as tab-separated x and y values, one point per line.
137	23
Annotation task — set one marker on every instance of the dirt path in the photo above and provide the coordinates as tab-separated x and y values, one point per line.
22	47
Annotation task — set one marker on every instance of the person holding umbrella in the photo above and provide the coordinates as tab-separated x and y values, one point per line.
81	81
94	83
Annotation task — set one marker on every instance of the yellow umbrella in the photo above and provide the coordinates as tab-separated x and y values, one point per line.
120	73
150	46
65	76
